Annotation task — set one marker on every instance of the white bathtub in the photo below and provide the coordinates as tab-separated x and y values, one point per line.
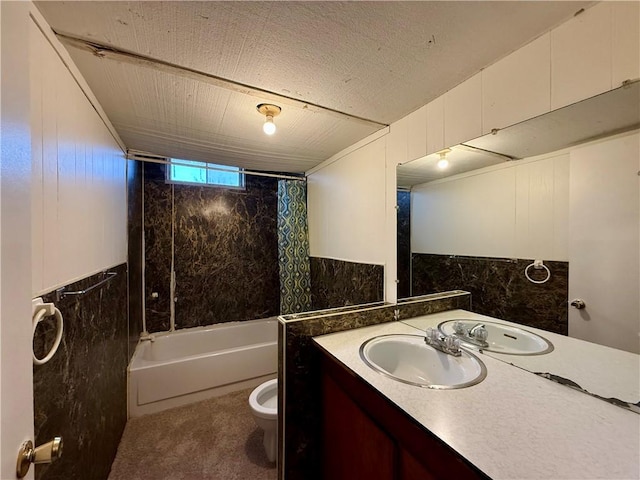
193	364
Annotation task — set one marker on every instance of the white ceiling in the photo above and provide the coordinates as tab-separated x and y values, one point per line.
375	60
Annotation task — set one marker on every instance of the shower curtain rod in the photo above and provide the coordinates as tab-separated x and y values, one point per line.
164	161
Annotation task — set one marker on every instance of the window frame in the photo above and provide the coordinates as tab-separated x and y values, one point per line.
180	162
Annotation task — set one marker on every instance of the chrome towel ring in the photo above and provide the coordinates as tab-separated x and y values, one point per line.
42	310
537	265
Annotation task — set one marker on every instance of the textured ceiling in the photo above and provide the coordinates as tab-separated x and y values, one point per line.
377	60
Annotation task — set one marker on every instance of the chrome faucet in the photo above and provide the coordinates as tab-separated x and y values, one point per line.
476	335
476	328
445	343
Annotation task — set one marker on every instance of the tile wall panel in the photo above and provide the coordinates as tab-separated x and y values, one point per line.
158	215
404	244
135	252
224	248
336	283
499	288
81	393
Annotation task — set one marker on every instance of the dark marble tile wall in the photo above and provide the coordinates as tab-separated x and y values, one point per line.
225	251
433	303
158	222
404	244
299	374
81	393
135	253
499	288
336	283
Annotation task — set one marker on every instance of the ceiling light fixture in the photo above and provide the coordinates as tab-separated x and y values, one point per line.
269	111
443	162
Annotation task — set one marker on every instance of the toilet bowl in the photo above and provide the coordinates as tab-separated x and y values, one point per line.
264	407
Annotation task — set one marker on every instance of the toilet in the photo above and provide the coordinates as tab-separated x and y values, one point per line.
264	407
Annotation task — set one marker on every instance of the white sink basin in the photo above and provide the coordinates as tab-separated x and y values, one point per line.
503	338
408	359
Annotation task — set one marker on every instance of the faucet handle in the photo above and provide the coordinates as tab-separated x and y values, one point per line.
431	334
481	334
452	343
459	328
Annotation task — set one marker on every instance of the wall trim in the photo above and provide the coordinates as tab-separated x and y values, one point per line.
77	279
328	257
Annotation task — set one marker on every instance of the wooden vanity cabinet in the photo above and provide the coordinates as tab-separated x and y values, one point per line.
354	446
365	436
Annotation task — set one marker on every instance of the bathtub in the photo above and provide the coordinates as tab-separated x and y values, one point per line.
194	364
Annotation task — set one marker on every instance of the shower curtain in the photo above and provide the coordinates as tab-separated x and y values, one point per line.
293	247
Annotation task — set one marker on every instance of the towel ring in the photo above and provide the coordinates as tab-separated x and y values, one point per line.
38	317
538	265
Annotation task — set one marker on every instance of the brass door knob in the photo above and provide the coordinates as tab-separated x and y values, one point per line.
45	453
578	303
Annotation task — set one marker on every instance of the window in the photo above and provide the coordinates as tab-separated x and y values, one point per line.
197	173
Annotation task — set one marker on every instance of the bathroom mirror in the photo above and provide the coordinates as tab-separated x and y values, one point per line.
507	199
601	116
605	373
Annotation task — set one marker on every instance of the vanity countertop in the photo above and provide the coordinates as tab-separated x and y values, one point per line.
513	424
600	370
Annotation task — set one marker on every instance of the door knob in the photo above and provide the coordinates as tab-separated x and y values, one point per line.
45	453
578	303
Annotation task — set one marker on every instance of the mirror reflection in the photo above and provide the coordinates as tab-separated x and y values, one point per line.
602	372
539	221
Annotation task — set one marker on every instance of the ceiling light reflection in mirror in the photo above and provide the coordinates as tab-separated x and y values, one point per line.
612	112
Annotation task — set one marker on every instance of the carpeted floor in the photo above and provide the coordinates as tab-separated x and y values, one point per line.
213	439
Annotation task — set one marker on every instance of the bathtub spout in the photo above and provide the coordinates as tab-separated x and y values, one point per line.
147	337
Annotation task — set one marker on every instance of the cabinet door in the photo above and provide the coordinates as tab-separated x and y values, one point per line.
581	57
463	111
518	87
411	469
353	445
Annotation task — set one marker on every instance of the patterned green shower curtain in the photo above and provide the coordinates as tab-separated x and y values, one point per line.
293	247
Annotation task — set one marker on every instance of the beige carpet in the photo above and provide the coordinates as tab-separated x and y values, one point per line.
212	439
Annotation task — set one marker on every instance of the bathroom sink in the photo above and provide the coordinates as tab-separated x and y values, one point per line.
502	338
408	359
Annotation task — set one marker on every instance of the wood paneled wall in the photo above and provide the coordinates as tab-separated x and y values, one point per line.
516	212
79	214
